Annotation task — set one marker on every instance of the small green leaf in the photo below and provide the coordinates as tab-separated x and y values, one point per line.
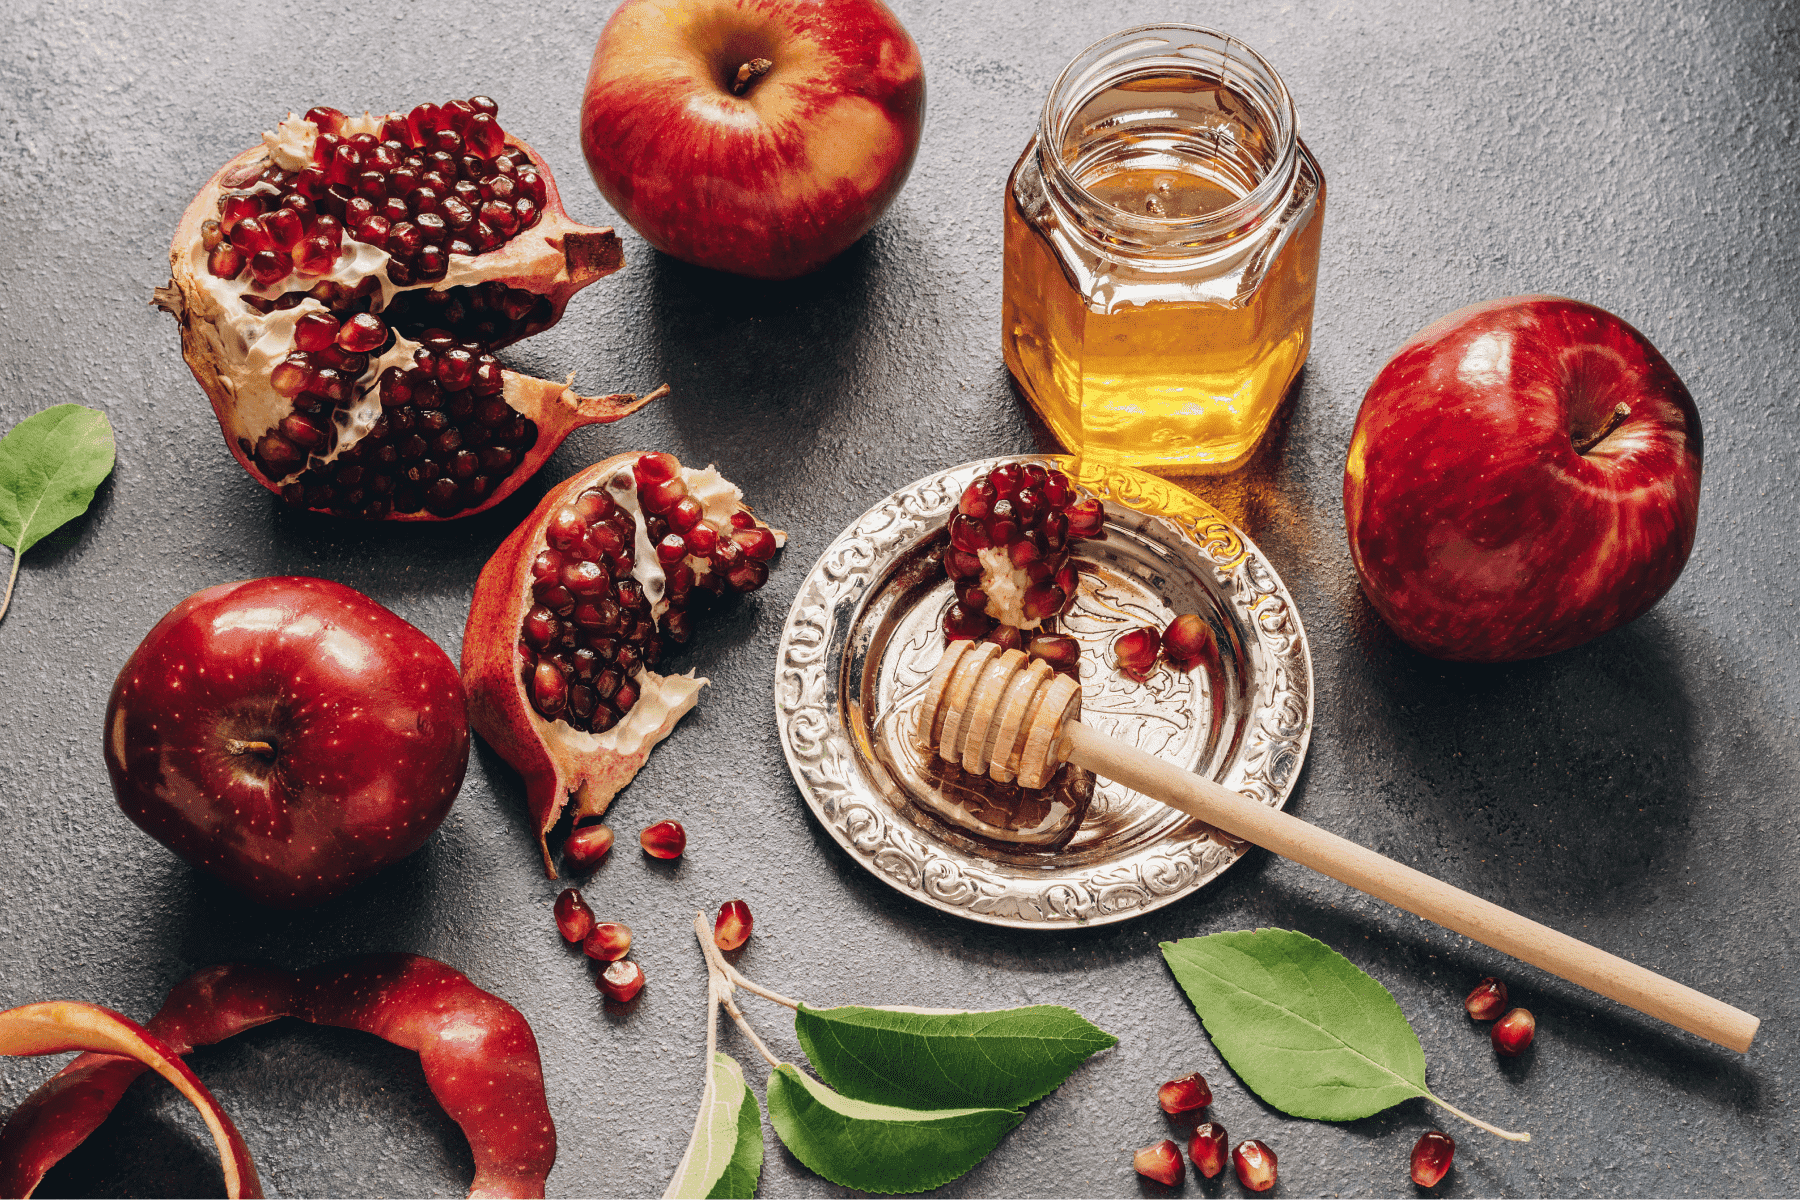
1301	1025
717	1132
745	1169
50	465
917	1058
878	1147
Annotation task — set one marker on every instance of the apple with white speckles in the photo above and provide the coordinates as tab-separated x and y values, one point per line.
760	137
1524	476
289	735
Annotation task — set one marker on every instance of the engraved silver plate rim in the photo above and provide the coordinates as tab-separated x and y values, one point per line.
830	768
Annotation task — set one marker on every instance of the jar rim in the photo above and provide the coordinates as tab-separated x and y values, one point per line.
1104	62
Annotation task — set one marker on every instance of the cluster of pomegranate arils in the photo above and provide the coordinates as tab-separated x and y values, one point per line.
435	182
609	942
1018	522
445	436
1253	1161
1185	644
1514	1028
590	627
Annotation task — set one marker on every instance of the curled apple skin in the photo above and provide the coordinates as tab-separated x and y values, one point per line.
479	1055
1524	476
35	1139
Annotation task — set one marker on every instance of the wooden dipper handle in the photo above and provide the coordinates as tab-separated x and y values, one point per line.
1414	891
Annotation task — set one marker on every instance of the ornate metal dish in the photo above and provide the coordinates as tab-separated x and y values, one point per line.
864	633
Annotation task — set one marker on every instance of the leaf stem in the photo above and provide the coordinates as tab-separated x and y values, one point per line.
719	984
11	578
1477	1121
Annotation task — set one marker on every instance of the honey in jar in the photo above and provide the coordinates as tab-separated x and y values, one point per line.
1162	252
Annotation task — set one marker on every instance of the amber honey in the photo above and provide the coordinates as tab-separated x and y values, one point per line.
1162	248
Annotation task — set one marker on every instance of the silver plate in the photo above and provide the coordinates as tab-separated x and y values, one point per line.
864	633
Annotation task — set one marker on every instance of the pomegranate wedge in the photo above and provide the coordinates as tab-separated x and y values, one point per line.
341	290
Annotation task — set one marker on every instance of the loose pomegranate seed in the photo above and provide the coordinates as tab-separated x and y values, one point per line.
1007	637
665	839
1160	1161
1136	650
1255	1165
732	928
574	919
1189	641
1086	518
621	980
1512	1033
1062	653
608	941
1208	1148
962	622
1487	1000
1431	1156
587	845
1184	1094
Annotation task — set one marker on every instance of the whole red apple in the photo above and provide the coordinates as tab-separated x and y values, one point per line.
289	735
1524	476
760	137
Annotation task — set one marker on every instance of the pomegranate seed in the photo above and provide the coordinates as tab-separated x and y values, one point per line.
1062	653
1431	1156
484	137
573	916
608	941
660	497
1135	650
587	845
1207	1148
1086	518
621	980
1255	1165
285	227
758	544
962	623
1487	1000
234	208
290	377
315	255
329	120
1007	637
315	331
1043	600
566	529
702	540
1160	1161
362	333
268	267
665	839
977	500
732	929
1184	1094
549	691
671	549
1512	1033
969	535
1188	642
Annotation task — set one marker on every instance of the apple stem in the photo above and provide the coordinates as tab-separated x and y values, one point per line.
261	749
748	74
1614	419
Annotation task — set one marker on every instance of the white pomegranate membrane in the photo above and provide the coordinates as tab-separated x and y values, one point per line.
386	397
1009	551
625	566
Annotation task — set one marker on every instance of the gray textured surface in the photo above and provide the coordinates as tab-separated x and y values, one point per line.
1639	792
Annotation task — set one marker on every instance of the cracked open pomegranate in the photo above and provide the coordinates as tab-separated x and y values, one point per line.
1009	551
580	603
341	290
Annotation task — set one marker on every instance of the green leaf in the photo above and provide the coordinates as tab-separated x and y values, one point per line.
878	1147
741	1174
1301	1025
918	1058
50	465
718	1130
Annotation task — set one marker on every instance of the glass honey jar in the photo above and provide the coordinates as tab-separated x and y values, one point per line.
1162	251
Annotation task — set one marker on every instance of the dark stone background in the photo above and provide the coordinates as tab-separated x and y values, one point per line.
1638	792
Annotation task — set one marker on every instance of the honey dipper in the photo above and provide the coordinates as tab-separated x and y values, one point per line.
997	713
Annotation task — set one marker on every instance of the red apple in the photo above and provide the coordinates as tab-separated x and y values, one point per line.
1524	476
290	736
760	137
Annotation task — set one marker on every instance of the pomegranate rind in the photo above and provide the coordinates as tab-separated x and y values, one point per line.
554	258
36	1139
549	754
